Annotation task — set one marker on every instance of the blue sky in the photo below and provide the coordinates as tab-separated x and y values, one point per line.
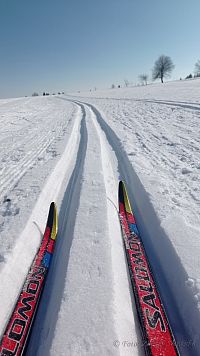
71	45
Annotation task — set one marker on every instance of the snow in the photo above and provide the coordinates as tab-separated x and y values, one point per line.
73	149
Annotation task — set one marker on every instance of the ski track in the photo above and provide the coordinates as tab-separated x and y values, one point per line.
44	325
178	300
87	194
13	175
89	191
31	141
47	329
12	272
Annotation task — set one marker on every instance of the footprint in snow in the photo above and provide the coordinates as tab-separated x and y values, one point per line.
9	209
186	170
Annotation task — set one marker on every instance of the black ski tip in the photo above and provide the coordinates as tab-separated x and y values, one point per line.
51	214
52	205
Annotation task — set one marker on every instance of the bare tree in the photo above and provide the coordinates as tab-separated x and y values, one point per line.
112	86
197	68
126	83
35	94
143	78
162	68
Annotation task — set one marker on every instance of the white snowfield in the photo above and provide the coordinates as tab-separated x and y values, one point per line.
73	149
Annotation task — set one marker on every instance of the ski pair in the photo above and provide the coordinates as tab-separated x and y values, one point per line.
158	339
16	334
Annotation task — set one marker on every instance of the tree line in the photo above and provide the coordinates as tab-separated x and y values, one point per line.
46	93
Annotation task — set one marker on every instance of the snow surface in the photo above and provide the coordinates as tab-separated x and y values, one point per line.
73	149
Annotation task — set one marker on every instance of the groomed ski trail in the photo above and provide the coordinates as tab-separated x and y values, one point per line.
70	326
86	306
34	133
21	257
170	274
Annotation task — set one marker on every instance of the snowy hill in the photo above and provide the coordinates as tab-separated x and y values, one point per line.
73	149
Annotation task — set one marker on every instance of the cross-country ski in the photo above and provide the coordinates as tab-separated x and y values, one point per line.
157	336
19	326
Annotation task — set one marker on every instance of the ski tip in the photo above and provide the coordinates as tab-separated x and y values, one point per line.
120	183
52	205
122	187
123	196
52	221
55	223
120	192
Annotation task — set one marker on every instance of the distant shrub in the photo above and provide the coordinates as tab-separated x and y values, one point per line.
35	94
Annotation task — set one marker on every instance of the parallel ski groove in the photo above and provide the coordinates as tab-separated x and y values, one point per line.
52	298
170	297
14	175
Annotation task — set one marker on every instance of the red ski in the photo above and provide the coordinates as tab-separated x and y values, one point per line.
16	334
158	339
